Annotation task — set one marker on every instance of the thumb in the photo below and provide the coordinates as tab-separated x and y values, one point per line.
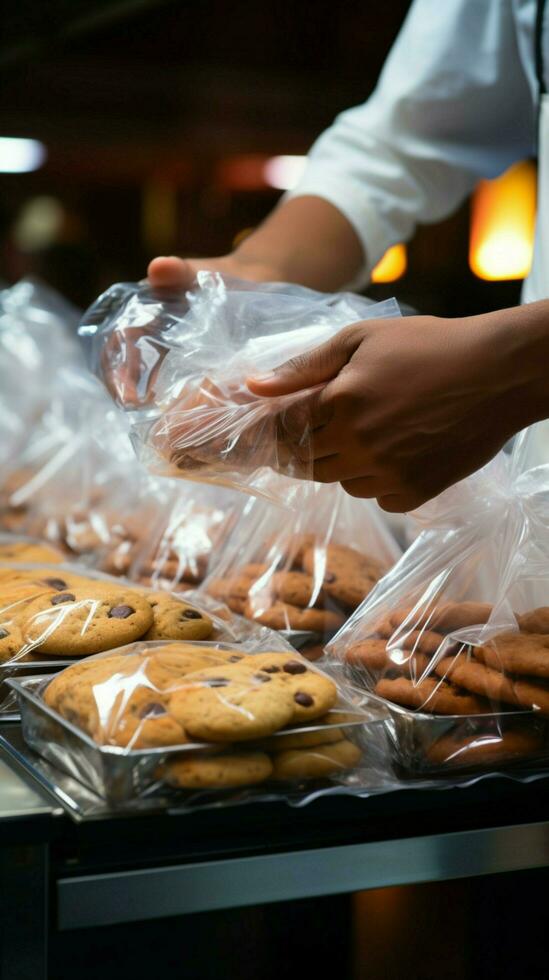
315	367
169	272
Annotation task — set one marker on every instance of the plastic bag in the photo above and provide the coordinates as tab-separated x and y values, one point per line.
214	717
37	338
455	638
173	550
307	572
179	365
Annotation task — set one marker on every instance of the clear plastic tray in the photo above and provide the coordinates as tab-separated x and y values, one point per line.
118	774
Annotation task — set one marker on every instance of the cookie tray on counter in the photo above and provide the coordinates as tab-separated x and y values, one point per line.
413	734
118	774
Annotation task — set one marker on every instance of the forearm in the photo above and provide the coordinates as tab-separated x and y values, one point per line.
306	240
521	361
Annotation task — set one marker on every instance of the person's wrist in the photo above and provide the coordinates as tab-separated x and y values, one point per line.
517	340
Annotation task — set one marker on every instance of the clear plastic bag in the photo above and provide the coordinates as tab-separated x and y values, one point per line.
213	717
37	338
308	571
455	638
180	364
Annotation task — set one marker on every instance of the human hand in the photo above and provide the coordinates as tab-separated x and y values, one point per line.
409	406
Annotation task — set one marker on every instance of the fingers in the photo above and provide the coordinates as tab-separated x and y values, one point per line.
313	368
169	272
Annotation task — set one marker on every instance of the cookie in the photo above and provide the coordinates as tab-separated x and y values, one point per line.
517	653
140	720
11	641
231	703
370	653
430	695
301	740
84	621
466	672
428	641
217	771
313	693
445	618
483	748
26	551
167	665
532	694
347	575
316	762
176	620
536	621
296	588
283	616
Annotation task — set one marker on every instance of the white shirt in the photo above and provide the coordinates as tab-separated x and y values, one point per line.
456	101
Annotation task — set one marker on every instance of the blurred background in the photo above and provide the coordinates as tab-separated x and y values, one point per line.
164	127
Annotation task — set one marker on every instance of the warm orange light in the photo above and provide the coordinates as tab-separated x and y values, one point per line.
502	224
392	266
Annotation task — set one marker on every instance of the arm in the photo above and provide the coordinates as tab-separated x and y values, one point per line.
452	105
407	407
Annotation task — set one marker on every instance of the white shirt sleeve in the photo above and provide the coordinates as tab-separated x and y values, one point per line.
452	105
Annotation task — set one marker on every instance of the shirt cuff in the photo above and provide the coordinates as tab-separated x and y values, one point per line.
375	234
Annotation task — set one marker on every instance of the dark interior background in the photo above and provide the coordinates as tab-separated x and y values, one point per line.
144	106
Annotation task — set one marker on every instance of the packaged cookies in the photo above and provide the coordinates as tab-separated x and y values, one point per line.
198	716
455	641
303	572
180	364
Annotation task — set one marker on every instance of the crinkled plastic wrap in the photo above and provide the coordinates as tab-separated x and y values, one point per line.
179	364
307	571
455	638
172	546
53	613
37	338
196	718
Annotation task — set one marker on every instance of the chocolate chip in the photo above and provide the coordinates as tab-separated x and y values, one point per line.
218	682
262	677
305	700
151	710
294	667
329	577
4	633
191	614
271	670
235	659
121	612
62	597
55	583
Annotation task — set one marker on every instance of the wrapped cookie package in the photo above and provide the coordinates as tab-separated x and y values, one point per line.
195	717
305	571
178	363
54	613
455	639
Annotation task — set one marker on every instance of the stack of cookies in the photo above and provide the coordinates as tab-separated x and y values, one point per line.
411	660
310	586
180	694
50	612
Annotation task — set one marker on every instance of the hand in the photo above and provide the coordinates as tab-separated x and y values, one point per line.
173	273
409	406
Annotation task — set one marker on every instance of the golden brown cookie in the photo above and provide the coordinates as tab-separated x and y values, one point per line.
466	672
347	575
445	618
282	616
430	695
536	621
86	620
484	748
231	703
316	762
313	693
174	619
217	771
301	740
11	641
26	551
517	653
